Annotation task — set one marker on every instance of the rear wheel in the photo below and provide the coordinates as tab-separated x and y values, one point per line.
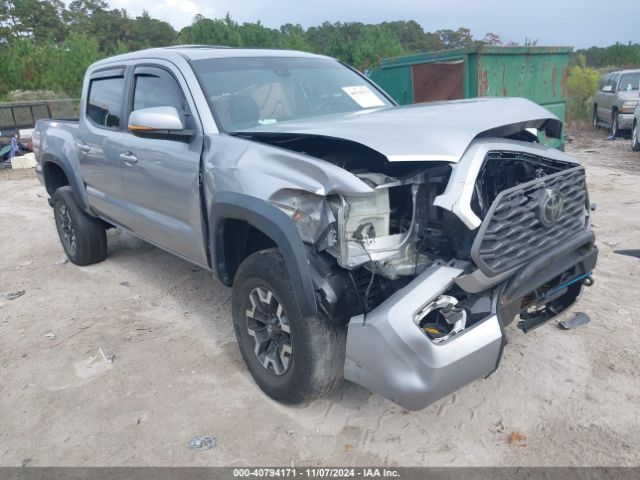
83	237
635	141
291	358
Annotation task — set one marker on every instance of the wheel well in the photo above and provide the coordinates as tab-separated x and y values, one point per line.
54	177
235	241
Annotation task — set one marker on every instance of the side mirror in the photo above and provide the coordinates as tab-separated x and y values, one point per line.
158	122
607	88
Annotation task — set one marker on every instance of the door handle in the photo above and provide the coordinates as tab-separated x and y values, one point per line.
83	147
129	158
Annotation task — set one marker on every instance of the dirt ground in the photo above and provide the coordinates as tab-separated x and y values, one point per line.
558	398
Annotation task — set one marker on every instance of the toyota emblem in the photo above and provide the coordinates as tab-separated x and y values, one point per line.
551	207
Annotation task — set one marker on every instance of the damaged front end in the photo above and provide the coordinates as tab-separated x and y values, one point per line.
430	262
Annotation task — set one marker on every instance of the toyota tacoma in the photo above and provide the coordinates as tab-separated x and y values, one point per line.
390	246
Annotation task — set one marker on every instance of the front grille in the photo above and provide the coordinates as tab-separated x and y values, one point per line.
512	232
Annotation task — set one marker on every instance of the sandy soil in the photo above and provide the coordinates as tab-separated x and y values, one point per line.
558	398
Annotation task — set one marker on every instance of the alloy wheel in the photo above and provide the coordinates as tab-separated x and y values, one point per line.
67	229
267	323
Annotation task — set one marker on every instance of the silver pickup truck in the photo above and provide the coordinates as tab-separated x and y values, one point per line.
391	246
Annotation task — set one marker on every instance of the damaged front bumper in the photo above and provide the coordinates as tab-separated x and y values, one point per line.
389	354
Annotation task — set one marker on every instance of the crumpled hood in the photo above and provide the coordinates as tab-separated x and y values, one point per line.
439	131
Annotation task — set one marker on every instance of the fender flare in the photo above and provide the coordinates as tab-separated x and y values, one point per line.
74	183
276	225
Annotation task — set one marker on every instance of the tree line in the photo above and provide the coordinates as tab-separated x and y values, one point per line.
47	45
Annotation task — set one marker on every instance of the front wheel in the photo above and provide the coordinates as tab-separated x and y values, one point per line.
595	117
83	238
291	358
635	141
615	130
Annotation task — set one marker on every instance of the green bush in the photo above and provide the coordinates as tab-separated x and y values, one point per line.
581	85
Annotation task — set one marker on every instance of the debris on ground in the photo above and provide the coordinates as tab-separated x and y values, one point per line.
624	311
62	261
82	329
50	335
25	161
108	357
204	442
499	427
125	284
517	439
26	462
630	253
578	320
14	295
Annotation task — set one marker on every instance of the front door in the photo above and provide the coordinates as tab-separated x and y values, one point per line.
161	175
608	99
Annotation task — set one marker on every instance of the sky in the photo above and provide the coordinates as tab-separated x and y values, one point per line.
578	23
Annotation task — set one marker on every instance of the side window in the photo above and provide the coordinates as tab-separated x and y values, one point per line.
157	88
614	82
607	80
105	101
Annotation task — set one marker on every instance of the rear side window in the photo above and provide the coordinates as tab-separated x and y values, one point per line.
105	101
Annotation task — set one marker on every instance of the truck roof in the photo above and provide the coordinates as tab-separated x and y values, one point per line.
199	52
632	70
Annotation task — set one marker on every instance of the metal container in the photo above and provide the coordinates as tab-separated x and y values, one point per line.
536	73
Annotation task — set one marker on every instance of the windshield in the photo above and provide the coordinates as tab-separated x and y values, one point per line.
246	92
629	81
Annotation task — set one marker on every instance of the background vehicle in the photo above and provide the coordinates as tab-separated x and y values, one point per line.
388	245
616	101
635	141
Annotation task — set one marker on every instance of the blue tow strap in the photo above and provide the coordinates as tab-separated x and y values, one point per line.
566	284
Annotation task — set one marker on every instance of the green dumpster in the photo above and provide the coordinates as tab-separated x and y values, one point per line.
536	73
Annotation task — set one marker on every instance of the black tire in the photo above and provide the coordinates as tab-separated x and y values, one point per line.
313	363
615	131
635	140
595	117
83	237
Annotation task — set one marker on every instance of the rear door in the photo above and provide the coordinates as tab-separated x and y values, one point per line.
161	175
100	132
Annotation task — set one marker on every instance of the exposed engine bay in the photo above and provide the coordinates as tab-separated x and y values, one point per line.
368	247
